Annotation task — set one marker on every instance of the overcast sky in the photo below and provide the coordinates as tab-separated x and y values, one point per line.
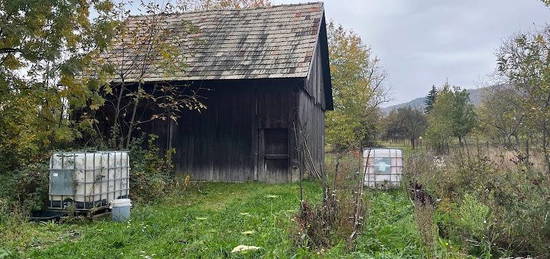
426	42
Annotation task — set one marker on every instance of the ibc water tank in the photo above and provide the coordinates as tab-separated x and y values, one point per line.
383	167
88	180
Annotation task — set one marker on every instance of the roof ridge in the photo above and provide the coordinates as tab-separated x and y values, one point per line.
234	9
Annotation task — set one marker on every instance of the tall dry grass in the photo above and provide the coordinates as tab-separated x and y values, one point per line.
493	201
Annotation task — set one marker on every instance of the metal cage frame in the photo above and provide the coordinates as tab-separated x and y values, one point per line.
395	176
91	200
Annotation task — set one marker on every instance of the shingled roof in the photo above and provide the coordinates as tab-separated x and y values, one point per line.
259	43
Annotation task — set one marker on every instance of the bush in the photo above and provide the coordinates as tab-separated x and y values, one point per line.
490	207
152	171
24	190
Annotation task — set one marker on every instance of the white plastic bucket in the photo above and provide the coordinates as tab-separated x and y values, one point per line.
121	209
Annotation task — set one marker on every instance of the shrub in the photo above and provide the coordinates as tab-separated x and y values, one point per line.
491	207
316	223
24	190
152	171
339	218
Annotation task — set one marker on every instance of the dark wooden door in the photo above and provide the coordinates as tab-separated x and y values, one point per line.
274	168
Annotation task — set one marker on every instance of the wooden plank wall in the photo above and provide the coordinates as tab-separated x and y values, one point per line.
222	142
314	85
217	144
312	104
276	110
312	122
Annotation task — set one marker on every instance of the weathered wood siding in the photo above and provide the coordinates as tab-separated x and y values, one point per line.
312	122
318	83
314	86
226	141
312	104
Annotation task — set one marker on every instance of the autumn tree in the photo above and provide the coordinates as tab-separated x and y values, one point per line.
405	123
524	63
413	123
501	115
45	44
357	89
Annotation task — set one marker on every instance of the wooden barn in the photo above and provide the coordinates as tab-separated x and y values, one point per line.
269	84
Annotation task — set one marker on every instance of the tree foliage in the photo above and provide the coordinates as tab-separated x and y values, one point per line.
524	62
357	89
501	116
430	99
44	44
405	123
452	116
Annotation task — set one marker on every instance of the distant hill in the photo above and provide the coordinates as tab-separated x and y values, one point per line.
476	96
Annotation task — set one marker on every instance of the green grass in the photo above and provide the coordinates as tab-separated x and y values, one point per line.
208	221
390	230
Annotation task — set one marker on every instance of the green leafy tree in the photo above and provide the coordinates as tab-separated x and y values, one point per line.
452	116
413	123
524	63
430	99
45	44
463	115
439	131
357	88
393	129
501	115
405	123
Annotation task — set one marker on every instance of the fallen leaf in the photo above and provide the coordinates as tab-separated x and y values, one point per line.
243	248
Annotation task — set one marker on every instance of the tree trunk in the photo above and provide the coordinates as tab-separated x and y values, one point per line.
412	143
116	128
133	119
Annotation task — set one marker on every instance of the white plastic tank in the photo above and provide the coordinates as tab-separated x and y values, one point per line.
384	167
86	180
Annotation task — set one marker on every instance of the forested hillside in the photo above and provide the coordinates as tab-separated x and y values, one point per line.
476	97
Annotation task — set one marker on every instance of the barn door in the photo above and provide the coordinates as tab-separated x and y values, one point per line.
274	149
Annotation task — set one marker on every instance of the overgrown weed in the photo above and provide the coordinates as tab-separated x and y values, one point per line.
492	205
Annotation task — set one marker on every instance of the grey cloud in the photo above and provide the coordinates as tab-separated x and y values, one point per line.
426	42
